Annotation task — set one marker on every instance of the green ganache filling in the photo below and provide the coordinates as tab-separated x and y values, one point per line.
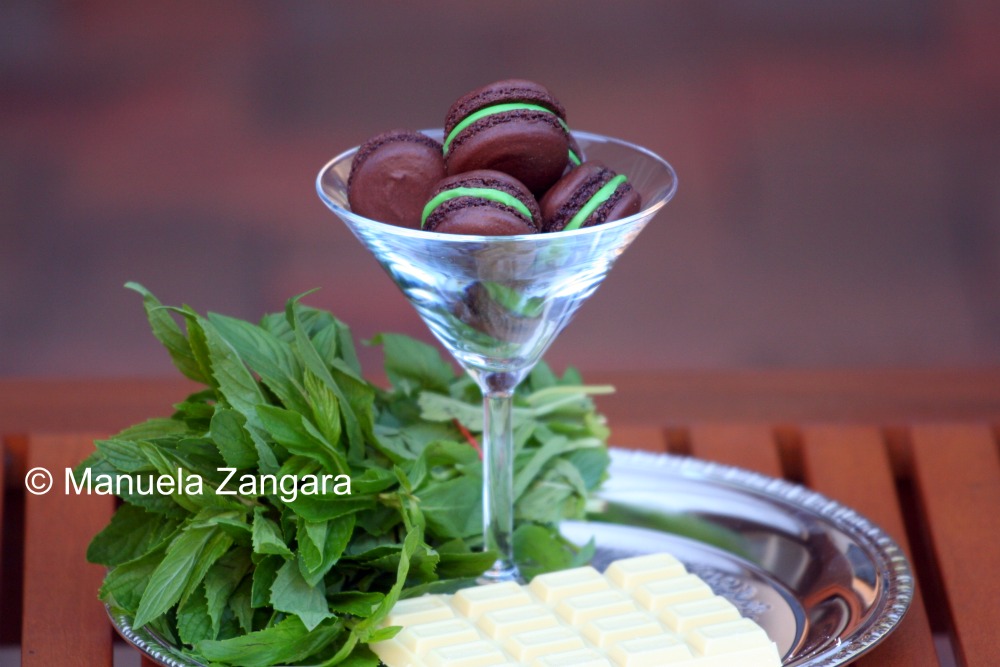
482	193
500	108
595	201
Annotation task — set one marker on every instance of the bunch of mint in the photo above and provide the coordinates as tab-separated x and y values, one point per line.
270	577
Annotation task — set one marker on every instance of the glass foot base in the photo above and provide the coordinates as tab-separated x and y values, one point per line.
500	573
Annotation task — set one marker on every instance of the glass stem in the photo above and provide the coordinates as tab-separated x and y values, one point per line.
498	476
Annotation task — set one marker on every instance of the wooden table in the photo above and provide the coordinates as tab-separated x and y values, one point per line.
915	451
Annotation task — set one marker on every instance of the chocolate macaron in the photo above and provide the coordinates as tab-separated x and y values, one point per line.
392	176
483	202
514	126
501	310
589	195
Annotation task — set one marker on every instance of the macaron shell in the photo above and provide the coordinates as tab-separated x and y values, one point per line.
573	190
624	203
498	92
394	179
531	146
485	178
481	219
562	194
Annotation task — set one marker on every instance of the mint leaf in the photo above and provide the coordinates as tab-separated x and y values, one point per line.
285	642
126	583
292	594
169	334
440	408
264	572
193	621
465	565
330	506
297	434
592	464
541	376
414	538
187	559
453	508
540	549
221	582
236	382
132	533
312	539
152	429
267	536
228	432
124	455
355	603
538	460
315	363
321	544
270	357
412	365
240	604
324	407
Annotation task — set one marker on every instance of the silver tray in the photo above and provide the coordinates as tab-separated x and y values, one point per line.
824	582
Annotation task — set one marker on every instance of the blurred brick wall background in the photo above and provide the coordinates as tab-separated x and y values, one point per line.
839	162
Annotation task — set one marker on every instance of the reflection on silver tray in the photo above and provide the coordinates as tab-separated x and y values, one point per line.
824	582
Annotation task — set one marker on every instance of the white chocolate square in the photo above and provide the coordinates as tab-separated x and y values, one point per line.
478	653
583	657
630	573
526	646
655	595
685	616
474	602
394	654
578	609
553	587
608	630
423	609
654	651
502	623
731	637
420	639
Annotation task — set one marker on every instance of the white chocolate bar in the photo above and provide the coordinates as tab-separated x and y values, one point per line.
646	611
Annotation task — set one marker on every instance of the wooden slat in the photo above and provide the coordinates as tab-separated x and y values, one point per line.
3	492
4	611
872	396
34	405
749	446
851	464
957	469
64	623
801	396
11	553
16	445
649	438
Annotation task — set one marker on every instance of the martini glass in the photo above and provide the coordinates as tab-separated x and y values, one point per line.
496	303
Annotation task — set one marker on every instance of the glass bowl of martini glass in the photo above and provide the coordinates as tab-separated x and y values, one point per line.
496	303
